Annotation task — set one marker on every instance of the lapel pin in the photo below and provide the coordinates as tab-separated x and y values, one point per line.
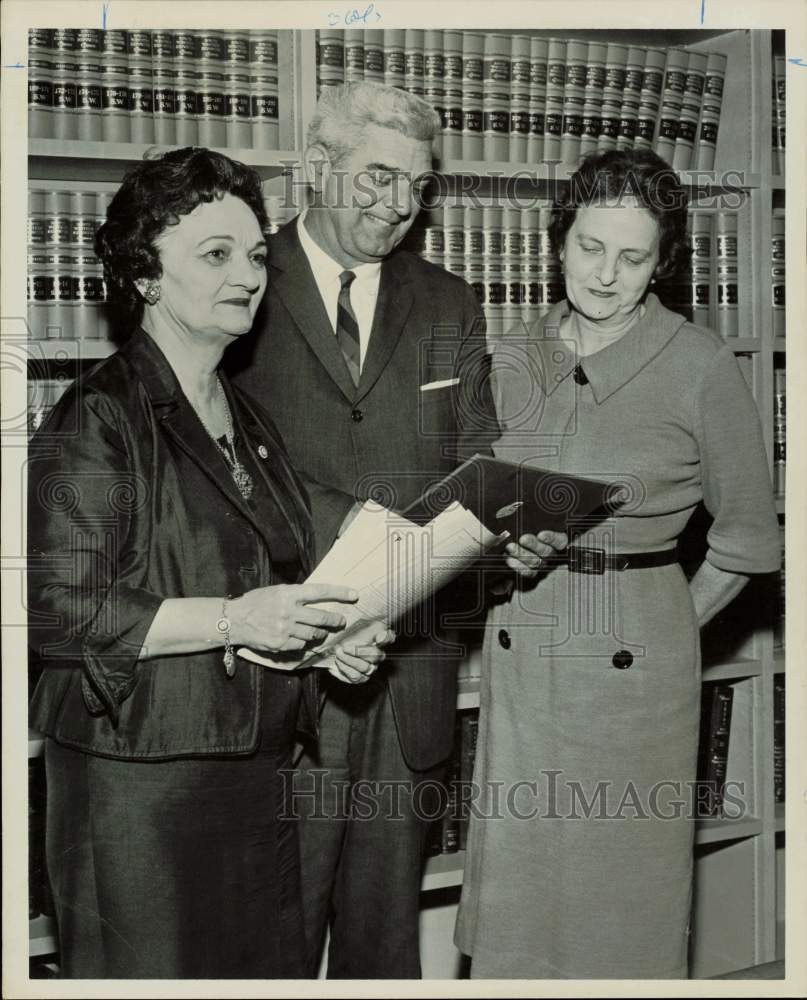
262	451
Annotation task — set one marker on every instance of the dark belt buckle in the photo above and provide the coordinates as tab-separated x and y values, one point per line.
586	560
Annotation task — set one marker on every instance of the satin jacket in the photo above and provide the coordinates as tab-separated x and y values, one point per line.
130	503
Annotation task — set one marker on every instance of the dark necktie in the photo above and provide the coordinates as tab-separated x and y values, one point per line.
347	328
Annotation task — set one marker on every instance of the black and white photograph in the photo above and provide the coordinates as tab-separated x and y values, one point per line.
402	570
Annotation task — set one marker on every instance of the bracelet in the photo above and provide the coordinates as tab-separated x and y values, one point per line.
223	627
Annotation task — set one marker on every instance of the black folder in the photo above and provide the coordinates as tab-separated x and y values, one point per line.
520	499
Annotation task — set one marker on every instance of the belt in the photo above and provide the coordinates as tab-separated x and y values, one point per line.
581	559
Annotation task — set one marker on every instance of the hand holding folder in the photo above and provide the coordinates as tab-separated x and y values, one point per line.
396	561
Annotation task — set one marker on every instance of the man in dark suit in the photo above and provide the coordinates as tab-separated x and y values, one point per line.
372	363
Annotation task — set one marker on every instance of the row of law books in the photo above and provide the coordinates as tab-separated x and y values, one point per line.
448	833
778	271
778	115
66	287
713	750
524	99
504	253
171	87
779	430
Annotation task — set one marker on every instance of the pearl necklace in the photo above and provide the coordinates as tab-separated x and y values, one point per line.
241	477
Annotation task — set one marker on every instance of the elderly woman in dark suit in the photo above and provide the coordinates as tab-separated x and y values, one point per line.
166	528
591	680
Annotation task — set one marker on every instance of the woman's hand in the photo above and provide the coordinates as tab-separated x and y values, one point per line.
278	619
525	556
357	661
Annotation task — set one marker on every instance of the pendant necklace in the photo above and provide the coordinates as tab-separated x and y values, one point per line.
241	477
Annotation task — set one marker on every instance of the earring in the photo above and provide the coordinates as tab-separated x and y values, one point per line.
152	292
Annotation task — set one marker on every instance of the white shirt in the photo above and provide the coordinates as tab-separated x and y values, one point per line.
363	290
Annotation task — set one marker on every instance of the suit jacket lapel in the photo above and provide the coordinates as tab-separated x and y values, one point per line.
292	280
395	300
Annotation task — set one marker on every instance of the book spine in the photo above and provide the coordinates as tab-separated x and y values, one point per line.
495	292
114	88
88	84
237	94
778	271
264	91
496	98
555	86
57	211
102	200
65	68
454	238
779	625
709	124
779	115
330	45
715	734
434	81
354	55
186	84
475	251
450	824
779	738
40	273
573	101
592	97
452	82
727	295
469	728
472	87
779	429
529	224
163	77
40	83
672	97
631	98
650	98
702	268
513	269
616	58
210	104
539	53
86	286
519	98
374	55
414	61
691	103
434	240
140	87
395	57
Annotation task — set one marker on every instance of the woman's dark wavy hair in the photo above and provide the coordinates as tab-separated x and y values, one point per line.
640	174
154	195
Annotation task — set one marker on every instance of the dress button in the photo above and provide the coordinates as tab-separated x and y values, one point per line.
504	638
622	660
357	416
580	376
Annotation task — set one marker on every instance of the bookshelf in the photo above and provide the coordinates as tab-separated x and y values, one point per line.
739	862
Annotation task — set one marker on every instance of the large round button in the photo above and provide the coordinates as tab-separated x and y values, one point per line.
504	638
622	660
580	376
357	416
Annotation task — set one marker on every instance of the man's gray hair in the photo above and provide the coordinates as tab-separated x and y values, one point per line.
343	112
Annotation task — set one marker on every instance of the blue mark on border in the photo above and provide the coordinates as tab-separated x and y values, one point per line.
703	10
798	62
17	65
104	9
353	16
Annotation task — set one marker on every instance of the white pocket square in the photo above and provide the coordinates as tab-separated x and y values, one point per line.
442	384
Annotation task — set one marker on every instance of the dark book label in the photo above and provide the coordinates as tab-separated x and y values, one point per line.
185	102
472	120
538	73
264	50
115	98
65	39
473	68
497	121
452	67
573	125
265	106
553	124
374	60
713	85
40	38
210	46
576	75
237	106
651	81
627	128
520	71
633	80
354	57
668	128
40	93
609	127
687	130
675	80
454	119
413	62
138	43
236	48
497	69
141	100
727	294
520	122
64	95
595	76
433	65
164	101
615	78
694	84
591	126
330	54
556	74
537	123
709	132
114	42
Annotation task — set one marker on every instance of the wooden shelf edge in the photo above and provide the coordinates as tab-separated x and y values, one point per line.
732	669
42	936
716	830
443	871
70	350
468	693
